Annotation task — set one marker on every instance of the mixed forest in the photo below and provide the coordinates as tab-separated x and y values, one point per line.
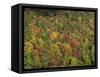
58	38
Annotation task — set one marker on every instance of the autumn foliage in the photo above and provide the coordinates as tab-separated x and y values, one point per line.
58	38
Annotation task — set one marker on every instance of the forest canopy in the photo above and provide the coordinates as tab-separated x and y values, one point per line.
58	38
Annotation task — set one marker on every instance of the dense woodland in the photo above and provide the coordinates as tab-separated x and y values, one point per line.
58	38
